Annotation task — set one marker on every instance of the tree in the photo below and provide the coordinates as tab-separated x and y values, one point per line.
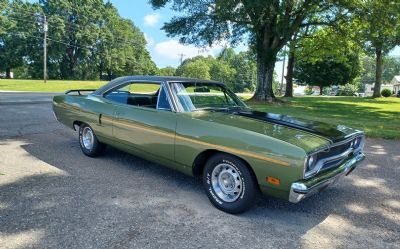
390	68
246	70
268	24
222	71
379	28
18	37
196	69
86	40
327	71
167	71
4	22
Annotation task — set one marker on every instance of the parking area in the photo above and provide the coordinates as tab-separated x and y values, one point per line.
52	196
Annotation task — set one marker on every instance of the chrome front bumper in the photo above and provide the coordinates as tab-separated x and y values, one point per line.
302	189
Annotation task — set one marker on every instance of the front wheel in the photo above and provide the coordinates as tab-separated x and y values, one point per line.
88	141
229	183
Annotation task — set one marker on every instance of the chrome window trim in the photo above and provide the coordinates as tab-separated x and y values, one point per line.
174	97
162	88
122	84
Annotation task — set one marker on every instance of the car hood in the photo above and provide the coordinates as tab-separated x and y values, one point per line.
306	134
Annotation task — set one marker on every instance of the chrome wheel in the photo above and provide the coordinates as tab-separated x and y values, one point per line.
87	138
226	182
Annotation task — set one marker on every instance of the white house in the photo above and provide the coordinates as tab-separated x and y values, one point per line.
369	88
396	83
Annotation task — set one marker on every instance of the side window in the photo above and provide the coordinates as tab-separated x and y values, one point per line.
163	103
119	95
136	94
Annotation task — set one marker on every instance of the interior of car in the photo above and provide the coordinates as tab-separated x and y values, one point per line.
138	94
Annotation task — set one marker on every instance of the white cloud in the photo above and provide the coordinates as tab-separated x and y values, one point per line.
151	20
172	50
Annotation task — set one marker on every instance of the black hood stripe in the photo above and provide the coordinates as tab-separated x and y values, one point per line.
318	128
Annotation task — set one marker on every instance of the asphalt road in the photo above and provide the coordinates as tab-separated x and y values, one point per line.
52	196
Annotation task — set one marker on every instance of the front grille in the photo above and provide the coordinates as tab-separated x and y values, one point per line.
332	152
334	156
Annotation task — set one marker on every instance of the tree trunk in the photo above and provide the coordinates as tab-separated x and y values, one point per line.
8	73
265	76
289	73
321	90
378	74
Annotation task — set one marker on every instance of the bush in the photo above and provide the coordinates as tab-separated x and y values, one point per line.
308	91
386	93
347	90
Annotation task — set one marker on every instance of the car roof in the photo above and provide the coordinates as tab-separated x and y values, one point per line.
122	80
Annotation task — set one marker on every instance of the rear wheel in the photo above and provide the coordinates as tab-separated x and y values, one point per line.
229	183
88	141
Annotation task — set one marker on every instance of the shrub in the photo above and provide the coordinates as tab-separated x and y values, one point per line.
347	90
308	91
386	93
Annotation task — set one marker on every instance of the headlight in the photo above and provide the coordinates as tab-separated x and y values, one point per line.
357	142
311	163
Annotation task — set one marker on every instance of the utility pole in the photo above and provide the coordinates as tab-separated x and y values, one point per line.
283	68
45	29
181	56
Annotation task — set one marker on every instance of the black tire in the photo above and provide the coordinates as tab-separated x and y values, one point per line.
248	183
96	149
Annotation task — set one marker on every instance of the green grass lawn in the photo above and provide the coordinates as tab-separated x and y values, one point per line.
377	117
50	86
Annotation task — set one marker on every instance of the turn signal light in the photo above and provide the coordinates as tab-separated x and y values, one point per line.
274	181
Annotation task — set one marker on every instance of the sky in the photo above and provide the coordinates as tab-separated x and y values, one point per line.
165	51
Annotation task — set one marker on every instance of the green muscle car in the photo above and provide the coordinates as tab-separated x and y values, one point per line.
201	128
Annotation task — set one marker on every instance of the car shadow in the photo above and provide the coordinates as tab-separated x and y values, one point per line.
119	200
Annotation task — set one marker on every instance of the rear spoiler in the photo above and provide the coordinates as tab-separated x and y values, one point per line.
79	91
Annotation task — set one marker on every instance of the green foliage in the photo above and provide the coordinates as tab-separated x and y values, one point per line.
269	25
196	69
390	68
167	71
327	71
347	90
327	58
368	68
378	29
4	22
308	91
377	23
222	71
386	93
87	40
236	70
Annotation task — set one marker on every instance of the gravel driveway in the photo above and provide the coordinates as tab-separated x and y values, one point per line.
52	196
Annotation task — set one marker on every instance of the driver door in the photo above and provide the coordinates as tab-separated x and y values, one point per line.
146	121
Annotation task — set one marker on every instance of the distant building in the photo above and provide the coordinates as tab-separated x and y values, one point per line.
396	83
3	75
369	88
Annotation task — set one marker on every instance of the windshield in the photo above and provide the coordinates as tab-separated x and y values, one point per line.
192	96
